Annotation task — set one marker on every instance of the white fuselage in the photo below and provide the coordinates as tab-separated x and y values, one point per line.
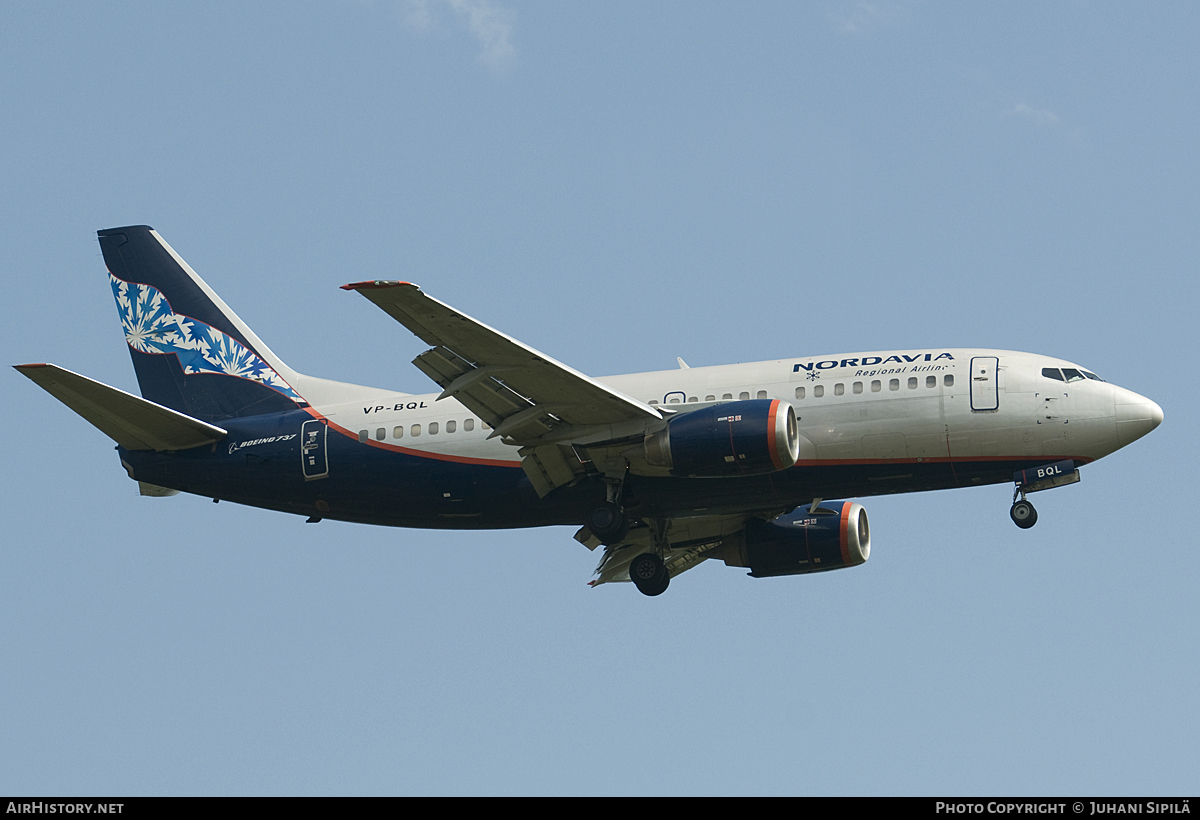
872	407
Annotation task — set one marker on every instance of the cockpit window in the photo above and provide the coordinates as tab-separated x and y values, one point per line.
1069	374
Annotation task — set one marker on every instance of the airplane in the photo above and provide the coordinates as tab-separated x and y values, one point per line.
664	470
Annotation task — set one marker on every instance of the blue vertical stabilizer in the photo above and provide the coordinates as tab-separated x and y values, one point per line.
190	351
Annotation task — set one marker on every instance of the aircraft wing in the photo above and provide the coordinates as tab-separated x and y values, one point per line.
522	393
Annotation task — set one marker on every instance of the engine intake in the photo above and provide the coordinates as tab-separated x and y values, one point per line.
801	541
730	439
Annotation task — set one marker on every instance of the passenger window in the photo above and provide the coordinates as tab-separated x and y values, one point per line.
363	435
675	400
483	425
693	399
729	397
710	398
912	383
397	432
653	401
433	428
416	430
858	387
799	392
894	384
744	396
451	426
948	380
762	394
1052	373
469	425
839	389
931	381
876	385
381	434
819	391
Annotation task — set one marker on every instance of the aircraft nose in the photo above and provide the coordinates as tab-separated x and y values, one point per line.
1136	415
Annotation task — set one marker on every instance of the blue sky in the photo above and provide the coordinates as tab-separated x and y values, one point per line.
616	184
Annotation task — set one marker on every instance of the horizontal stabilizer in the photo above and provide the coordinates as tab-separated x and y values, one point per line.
132	422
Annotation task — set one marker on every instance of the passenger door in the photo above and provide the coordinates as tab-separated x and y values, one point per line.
985	395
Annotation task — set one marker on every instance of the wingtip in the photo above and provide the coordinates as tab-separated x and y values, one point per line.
377	284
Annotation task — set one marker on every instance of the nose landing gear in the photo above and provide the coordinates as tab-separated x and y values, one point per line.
1047	477
1023	514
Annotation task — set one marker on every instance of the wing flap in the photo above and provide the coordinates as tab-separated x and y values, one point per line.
479	389
550	466
133	422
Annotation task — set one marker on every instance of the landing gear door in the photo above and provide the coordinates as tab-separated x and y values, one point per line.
313	460
985	394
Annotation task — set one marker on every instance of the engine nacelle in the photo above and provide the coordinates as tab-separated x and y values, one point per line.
831	538
730	439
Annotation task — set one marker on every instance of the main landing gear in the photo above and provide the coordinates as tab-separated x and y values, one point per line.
608	522
649	574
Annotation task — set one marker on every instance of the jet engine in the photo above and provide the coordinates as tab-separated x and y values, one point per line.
730	439
801	541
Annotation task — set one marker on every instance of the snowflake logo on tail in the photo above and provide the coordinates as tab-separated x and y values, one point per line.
152	327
